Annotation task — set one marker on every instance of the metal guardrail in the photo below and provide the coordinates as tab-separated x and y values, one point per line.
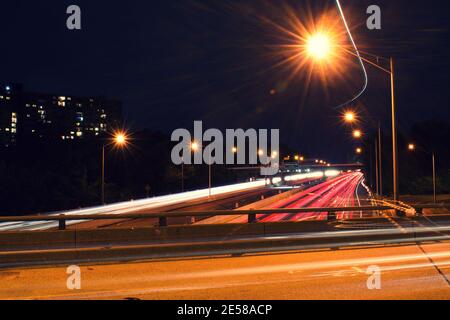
163	216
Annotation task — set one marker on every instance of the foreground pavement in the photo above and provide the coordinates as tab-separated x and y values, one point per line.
407	272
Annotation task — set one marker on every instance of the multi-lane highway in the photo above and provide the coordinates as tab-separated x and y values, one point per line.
161	203
410	268
342	191
225	197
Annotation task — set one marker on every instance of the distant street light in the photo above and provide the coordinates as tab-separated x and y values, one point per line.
411	147
359	150
195	147
120	140
349	117
357	134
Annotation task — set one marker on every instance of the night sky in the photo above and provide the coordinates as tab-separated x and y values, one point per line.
175	61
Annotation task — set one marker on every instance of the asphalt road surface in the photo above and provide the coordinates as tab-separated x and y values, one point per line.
407	272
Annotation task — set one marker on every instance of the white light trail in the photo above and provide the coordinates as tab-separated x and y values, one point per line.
134	206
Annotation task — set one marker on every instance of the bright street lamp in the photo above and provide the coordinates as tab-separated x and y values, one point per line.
319	46
349	117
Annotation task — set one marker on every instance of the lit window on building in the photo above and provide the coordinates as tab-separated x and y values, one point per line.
62	101
79	117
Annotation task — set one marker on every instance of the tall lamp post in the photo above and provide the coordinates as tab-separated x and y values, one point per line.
195	147
412	147
321	50
119	140
391	73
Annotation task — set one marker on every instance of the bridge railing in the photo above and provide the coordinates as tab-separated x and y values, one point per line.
163	216
252	214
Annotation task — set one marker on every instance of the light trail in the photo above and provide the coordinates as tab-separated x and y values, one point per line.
133	206
366	77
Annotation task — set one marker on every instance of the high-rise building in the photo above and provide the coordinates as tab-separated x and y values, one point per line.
30	115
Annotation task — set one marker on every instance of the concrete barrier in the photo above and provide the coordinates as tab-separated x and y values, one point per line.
306	241
36	240
110	237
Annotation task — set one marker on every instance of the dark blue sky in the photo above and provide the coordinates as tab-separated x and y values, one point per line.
175	61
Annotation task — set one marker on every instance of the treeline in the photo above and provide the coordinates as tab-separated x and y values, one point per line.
45	176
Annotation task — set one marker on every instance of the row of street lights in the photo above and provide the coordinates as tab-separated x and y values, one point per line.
320	48
350	117
196	147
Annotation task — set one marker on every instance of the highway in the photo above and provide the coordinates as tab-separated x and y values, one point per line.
156	203
341	191
414	268
221	197
407	272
